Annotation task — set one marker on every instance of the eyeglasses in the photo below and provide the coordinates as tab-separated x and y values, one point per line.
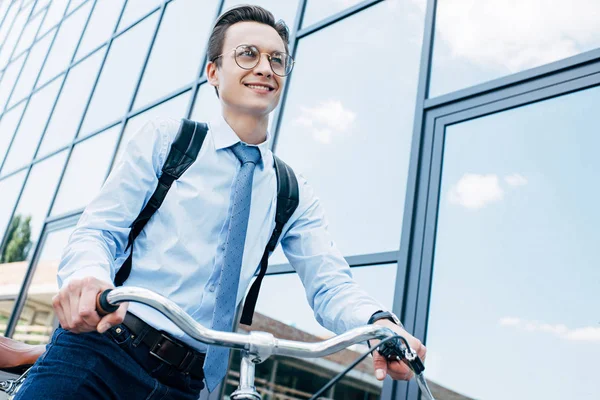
248	57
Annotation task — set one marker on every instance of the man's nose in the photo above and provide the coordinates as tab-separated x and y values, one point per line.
264	66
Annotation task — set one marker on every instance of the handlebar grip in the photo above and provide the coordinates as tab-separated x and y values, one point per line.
103	307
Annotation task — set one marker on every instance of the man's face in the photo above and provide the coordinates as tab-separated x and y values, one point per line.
237	86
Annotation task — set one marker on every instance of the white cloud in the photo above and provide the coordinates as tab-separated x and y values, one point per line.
326	120
474	191
586	334
516	34
516	180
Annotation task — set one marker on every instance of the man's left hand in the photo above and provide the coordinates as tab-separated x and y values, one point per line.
396	369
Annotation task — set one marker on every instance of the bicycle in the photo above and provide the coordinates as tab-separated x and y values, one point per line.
255	346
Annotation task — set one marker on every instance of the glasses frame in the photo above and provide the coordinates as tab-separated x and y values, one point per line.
258	60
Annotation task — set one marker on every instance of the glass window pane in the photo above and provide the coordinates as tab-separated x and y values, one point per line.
174	108
29	34
119	76
9	78
13	36
71	103
8	125
321	9
4	9
135	9
31	128
330	115
283	310
37	320
10	188
516	269
55	13
74	4
86	171
285	10
178	50
5	28
101	25
477	41
31	70
68	36
39	4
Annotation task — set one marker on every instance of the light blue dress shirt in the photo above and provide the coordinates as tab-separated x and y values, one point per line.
175	253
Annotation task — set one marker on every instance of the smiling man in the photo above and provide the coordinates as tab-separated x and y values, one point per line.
201	248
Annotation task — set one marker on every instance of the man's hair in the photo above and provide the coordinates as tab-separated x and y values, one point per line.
242	13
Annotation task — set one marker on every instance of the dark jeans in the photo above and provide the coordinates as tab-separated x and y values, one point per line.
104	366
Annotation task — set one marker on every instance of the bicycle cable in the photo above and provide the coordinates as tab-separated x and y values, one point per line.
339	376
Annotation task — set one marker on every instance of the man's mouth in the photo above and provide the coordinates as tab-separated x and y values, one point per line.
259	87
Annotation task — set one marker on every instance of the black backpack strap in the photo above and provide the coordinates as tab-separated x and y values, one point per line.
183	153
288	198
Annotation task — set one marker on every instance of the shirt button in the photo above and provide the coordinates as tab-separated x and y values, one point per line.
211	288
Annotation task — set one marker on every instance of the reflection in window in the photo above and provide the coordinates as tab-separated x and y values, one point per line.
64	45
9	78
17	27
8	125
136	9
85	173
32	126
174	108
283	310
25	227
119	76
101	25
74	96
178	49
523	36
10	188
356	127
516	272
317	10
32	68
285	10
37	320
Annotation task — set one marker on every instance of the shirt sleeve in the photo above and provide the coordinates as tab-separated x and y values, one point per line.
339	304
102	231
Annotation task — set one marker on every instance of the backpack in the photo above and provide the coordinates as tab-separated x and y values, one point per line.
183	153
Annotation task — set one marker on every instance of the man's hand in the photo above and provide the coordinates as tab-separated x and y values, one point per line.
75	306
396	369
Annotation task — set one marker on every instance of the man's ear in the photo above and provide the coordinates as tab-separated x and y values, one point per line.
212	74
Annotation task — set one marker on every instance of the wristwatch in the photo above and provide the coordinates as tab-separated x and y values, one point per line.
385	315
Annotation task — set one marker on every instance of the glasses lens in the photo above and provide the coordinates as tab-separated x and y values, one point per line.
281	63
247	56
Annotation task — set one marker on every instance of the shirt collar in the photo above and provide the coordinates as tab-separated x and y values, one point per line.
224	137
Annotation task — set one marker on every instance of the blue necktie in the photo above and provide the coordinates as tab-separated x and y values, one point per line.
215	365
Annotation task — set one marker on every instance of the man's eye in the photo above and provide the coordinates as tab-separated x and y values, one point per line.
247	53
277	59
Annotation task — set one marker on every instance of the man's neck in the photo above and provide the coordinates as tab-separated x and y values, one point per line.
249	128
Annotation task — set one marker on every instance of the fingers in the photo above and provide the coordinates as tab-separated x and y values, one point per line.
380	364
112	319
87	307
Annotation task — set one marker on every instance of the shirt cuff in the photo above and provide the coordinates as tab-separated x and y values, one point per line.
92	271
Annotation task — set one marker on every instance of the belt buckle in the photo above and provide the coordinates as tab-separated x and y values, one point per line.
158	346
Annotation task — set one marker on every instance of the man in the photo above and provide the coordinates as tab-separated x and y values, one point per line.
185	249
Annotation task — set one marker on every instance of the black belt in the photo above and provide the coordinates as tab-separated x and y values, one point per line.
167	349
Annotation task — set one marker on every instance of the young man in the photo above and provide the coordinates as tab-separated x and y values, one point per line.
204	228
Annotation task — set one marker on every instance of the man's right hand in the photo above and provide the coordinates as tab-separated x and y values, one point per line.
75	306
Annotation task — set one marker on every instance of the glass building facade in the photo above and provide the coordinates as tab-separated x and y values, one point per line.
415	122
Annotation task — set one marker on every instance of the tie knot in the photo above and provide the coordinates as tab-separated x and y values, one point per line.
246	153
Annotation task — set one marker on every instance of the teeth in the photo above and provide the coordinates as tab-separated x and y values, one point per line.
259	87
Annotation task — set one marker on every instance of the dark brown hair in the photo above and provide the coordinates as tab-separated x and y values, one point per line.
242	13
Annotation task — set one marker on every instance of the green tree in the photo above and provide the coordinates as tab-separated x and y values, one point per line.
18	240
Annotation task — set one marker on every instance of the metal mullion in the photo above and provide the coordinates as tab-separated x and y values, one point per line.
138	83
15	48
293	50
518	78
13	318
4	16
337	17
362	260
201	75
410	235
9	29
35	41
